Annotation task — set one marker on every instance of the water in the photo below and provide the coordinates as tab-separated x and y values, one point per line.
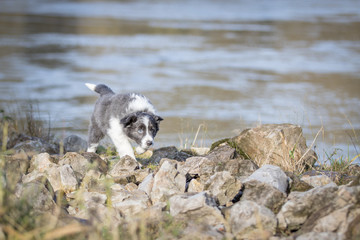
221	66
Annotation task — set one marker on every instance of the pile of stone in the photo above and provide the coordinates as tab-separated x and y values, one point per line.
220	195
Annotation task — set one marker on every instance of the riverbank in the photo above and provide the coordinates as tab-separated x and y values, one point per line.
261	184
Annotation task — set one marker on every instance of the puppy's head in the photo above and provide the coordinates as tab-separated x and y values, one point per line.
142	128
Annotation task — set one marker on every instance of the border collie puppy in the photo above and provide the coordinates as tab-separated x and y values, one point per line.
122	117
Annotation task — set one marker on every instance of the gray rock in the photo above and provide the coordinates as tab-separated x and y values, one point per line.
167	181
278	144
263	194
320	236
68	180
248	220
41	162
195	186
197	208
126	165
272	175
166	152
223	186
147	184
37	146
129	203
81	164
316	181
74	143
301	205
15	168
38	196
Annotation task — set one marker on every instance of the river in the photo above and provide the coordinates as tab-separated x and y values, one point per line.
214	66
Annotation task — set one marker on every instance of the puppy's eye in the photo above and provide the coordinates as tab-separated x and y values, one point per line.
140	130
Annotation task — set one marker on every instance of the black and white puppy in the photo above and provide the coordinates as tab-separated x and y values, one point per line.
122	117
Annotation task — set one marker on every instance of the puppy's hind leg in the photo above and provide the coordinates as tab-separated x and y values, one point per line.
94	137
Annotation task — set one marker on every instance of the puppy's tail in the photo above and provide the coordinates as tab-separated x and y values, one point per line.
101	89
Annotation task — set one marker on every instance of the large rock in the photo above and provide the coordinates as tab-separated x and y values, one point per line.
263	194
15	168
248	220
128	203
196	208
41	162
37	146
82	163
272	175
316	181
223	186
167	181
301	205
221	158
125	166
68	179
74	143
166	152
278	144
147	184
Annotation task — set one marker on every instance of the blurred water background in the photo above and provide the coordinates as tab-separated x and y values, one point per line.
222	66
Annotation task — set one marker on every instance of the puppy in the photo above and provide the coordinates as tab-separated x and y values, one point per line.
122	117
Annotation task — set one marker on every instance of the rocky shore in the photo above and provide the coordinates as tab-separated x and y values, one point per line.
258	185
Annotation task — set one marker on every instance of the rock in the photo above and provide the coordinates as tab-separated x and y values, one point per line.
74	143
195	186
96	161
196	207
320	236
125	166
295	184
199	151
272	175
147	184
300	205
222	158
248	220
141	174
41	162
264	195
68	179
223	186
167	152
15	168
167	181
37	195
128	203
277	144
316	181
37	146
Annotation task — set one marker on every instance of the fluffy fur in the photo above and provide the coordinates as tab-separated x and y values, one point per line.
122	117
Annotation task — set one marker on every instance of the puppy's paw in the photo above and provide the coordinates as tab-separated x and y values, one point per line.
140	150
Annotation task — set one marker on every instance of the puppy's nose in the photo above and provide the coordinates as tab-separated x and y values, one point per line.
149	143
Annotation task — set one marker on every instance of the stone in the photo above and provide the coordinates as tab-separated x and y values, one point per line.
301	205
197	151
37	146
195	186
249	220
167	181
38	196
223	186
295	184
320	236
147	184
15	168
125	166
272	175
41	162
316	181
68	179
74	143
264	195
167	152
277	144
83	163
128	203
196	207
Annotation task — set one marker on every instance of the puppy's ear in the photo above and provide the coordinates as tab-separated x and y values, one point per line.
158	118
127	120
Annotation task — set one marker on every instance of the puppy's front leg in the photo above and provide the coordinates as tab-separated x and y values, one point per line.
120	140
